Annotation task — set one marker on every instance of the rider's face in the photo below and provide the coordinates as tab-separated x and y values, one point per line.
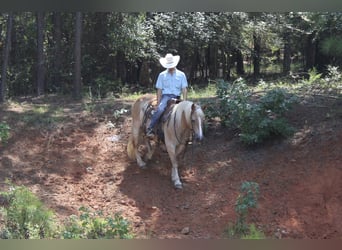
171	70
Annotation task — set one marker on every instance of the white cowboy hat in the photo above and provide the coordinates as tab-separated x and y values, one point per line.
169	61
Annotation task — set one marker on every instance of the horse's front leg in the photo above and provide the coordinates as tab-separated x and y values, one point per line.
180	151
171	149
150	149
140	161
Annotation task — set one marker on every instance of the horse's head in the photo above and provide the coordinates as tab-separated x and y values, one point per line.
197	119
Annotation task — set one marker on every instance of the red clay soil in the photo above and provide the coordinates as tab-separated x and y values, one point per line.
82	161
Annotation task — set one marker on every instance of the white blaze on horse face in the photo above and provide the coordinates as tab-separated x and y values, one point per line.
200	133
197	123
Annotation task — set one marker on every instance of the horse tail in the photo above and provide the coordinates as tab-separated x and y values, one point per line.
138	112
132	140
131	147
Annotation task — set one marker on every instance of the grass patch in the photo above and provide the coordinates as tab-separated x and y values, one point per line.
4	132
202	93
253	234
43	116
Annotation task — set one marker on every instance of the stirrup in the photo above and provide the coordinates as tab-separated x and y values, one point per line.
150	133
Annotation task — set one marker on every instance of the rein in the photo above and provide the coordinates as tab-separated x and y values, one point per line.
147	113
191	141
174	127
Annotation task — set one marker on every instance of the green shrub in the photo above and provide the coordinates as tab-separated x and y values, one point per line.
103	87
277	101
314	77
334	76
257	120
332	46
247	199
265	119
24	215
4	132
91	225
234	102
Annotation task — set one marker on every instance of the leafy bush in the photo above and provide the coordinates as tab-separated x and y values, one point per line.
276	101
257	120
247	199
233	102
103	87
333	75
91	225
4	132
317	84
265	119
25	216
332	46
314	77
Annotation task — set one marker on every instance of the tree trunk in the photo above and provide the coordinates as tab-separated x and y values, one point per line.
40	53
256	55
226	65
6	52
77	51
310	51
212	61
57	63
287	54
121	66
239	62
195	67
144	75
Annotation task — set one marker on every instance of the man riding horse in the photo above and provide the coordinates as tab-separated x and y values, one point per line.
171	83
184	119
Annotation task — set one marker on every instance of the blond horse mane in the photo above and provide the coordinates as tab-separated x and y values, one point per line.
181	114
180	124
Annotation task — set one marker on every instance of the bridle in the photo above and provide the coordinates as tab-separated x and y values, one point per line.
191	129
192	134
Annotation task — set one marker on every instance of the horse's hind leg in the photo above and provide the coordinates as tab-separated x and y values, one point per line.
132	149
150	150
140	161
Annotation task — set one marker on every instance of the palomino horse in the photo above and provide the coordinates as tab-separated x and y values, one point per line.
185	121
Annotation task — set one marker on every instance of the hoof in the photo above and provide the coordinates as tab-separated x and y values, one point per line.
142	165
178	186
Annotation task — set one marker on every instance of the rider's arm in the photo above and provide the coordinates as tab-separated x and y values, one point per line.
185	93
159	94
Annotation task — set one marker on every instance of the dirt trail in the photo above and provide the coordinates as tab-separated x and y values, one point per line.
83	161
